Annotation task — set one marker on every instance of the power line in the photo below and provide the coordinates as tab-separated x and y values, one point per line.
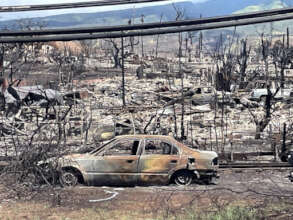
154	31
21	8
99	29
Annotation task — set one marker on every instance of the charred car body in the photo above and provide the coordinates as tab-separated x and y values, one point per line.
261	94
139	159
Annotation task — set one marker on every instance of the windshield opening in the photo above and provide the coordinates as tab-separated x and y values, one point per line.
100	147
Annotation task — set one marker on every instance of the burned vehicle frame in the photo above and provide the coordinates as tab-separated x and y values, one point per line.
139	160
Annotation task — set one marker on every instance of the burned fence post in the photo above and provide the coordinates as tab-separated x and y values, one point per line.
273	143
175	121
275	149
211	143
232	152
284	138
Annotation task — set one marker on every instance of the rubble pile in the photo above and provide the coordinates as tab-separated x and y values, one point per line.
92	111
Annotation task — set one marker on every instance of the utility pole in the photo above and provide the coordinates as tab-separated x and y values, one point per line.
158	36
200	40
288	38
2	51
123	72
142	52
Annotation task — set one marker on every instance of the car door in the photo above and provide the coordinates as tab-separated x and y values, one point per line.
158	159
117	164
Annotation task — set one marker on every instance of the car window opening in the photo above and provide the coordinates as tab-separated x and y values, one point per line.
100	147
159	147
134	147
123	147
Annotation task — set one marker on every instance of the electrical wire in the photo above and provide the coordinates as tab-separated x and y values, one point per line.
21	8
119	34
99	29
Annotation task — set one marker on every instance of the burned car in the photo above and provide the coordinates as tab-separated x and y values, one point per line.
261	94
139	160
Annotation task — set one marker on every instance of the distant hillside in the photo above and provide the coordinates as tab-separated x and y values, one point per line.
274	27
115	17
260	7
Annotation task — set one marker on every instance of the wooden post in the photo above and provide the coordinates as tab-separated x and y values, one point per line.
211	137
276	158
284	138
232	156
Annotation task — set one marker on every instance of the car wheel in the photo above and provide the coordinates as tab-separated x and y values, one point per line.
68	178
284	158
183	178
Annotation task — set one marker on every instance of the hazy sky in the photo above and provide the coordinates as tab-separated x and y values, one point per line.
38	2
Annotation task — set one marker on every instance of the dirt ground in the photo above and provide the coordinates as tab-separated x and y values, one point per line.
249	188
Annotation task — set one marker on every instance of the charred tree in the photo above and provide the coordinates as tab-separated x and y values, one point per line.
282	58
116	51
242	60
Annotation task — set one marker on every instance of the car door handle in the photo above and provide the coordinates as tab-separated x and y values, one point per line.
129	161
173	161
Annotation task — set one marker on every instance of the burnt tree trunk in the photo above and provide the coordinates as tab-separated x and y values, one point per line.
117	63
262	124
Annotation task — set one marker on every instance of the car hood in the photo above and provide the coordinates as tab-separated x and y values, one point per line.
75	156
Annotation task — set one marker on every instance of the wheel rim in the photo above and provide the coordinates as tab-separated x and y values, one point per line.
69	179
183	179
